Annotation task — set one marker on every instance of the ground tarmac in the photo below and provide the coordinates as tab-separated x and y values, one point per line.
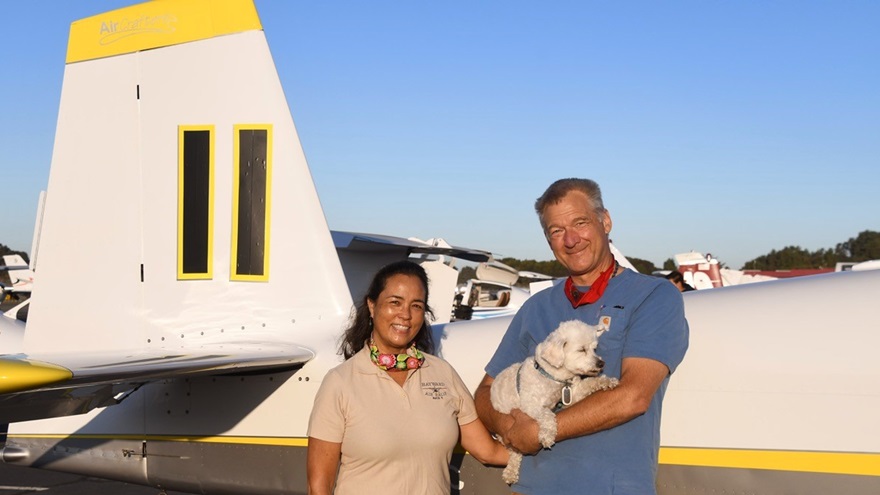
17	480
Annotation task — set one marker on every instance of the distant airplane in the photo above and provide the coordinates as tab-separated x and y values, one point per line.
226	294
362	255
493	291
705	272
21	277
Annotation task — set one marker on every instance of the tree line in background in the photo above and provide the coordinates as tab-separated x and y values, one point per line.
863	247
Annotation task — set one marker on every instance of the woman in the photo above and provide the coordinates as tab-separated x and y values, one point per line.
389	416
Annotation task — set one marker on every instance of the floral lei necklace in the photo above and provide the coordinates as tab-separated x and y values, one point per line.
412	359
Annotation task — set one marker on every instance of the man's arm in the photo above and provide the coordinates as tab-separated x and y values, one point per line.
639	380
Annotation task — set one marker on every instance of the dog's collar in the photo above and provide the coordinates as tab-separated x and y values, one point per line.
548	375
565	399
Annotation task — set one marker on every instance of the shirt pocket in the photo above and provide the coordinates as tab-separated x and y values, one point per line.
612	341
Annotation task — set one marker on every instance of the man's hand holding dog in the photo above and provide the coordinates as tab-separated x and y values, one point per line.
522	433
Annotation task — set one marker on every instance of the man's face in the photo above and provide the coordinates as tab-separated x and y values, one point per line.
578	236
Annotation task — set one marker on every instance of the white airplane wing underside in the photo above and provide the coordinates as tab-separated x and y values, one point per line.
62	385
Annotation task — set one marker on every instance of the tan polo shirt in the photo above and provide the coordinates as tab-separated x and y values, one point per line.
394	439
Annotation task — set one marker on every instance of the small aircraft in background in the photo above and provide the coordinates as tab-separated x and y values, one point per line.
21	277
362	255
227	292
706	272
494	291
491	293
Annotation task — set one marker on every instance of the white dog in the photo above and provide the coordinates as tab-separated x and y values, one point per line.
565	369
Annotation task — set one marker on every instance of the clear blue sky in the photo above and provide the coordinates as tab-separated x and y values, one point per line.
725	127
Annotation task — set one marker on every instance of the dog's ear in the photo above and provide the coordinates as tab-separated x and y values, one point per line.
552	350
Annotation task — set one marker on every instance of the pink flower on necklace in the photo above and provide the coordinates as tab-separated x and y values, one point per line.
387	360
411	360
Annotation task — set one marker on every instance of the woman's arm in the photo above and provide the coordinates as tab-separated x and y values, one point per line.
475	439
322	461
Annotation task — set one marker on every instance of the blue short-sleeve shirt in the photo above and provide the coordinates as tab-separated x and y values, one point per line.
646	316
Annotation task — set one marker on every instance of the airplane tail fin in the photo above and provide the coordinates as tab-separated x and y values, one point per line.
179	193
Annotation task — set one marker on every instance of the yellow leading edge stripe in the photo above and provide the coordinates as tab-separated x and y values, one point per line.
807	462
775	460
156	24
17	375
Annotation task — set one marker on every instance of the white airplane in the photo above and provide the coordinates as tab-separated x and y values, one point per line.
493	293
197	371
362	255
21	277
705	272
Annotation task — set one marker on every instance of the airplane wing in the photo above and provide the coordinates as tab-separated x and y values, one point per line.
355	241
62	385
6	268
13	262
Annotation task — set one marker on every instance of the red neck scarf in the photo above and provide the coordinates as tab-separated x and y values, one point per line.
596	289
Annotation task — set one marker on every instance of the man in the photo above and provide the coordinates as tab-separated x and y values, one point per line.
608	442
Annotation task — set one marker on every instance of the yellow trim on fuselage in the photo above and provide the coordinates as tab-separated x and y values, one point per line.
17	375
849	463
156	24
866	464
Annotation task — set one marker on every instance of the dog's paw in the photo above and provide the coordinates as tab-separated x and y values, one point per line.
548	443
587	386
547	429
510	475
509	478
606	383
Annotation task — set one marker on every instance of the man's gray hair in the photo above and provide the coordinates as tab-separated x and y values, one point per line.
561	187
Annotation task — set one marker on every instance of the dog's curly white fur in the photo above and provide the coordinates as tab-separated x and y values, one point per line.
567	357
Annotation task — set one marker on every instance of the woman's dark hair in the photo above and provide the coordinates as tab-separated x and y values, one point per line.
358	332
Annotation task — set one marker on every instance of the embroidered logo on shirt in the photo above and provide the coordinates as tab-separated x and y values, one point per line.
434	390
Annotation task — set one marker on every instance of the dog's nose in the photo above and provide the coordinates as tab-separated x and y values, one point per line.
600	364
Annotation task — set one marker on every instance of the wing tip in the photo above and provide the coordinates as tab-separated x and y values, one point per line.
18	375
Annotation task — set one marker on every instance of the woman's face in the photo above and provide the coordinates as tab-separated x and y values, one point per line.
398	313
